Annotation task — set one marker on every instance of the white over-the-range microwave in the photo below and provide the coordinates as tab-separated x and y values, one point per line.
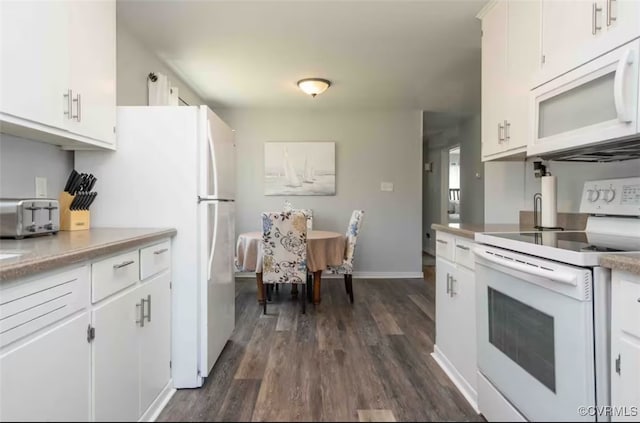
591	112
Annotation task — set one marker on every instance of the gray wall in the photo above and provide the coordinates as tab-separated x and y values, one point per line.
372	146
510	186
134	63
471	172
21	160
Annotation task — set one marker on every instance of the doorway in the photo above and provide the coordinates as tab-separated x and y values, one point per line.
453	191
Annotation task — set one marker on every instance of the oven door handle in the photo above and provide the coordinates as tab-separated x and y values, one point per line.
554	275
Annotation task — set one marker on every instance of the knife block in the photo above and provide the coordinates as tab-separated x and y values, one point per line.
72	220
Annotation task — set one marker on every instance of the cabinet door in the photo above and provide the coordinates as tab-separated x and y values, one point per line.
621	22
48	377
92	37
494	72
446	320
625	383
115	358
523	59
463	306
35	60
155	338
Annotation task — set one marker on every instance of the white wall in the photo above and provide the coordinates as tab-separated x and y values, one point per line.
372	146
134	63
21	160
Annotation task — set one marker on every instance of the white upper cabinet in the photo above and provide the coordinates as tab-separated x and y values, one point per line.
93	69
58	76
510	46
575	32
34	52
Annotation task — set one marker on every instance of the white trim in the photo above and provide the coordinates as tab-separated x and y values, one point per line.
159	403
461	383
356	275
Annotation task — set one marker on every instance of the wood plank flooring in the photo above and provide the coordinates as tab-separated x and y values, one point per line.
369	361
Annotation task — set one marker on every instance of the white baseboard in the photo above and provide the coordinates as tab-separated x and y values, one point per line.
469	393
357	275
159	403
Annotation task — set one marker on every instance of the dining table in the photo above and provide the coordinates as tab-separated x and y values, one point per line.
324	249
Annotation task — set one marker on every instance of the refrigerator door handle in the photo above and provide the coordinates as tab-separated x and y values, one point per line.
213	244
213	159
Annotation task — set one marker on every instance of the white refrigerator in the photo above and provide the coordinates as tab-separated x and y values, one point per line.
175	167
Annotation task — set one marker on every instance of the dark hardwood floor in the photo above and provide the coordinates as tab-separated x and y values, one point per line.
369	361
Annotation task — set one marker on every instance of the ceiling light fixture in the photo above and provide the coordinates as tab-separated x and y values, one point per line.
314	86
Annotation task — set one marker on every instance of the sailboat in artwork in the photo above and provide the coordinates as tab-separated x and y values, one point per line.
307	176
289	172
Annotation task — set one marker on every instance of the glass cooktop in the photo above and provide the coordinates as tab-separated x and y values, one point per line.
581	242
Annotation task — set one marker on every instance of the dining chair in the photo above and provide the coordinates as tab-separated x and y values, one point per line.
288	207
284	251
346	268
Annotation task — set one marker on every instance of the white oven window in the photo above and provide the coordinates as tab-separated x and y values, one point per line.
523	334
587	104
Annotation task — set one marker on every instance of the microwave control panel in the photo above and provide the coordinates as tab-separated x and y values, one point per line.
616	197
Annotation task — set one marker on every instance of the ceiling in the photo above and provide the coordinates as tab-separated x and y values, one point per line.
396	54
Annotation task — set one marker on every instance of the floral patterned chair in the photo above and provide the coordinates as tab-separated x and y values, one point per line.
284	251
307	212
346	268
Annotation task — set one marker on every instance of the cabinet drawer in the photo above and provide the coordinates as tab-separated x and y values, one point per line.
113	274
464	253
629	304
155	259
445	243
29	306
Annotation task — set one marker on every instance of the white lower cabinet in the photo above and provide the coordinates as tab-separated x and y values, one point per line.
455	349
63	358
625	346
48	376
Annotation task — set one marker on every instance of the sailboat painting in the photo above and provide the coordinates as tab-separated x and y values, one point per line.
300	168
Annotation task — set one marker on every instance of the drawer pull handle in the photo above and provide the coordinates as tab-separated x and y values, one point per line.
140	312
441	241
158	252
148	316
462	247
123	264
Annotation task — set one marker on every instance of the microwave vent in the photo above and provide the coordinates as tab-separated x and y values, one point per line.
601	153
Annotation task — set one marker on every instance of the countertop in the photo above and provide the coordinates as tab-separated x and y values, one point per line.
469	230
53	251
625	262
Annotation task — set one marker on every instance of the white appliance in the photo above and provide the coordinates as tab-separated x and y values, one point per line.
175	167
590	105
543	310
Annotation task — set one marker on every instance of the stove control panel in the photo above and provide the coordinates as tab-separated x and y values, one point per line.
616	197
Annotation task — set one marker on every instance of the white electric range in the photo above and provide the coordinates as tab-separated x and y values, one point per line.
543	308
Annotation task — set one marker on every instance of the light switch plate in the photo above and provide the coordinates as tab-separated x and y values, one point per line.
386	186
41	187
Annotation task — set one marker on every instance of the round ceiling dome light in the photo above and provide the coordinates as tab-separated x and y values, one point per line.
314	86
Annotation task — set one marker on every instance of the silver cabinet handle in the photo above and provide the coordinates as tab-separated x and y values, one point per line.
68	95
462	247
78	101
448	283
500	138
441	241
507	137
594	18
610	17
123	264
158	252
148	301
453	293
140	312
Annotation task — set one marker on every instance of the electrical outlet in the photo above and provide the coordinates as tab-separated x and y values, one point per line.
41	187
386	186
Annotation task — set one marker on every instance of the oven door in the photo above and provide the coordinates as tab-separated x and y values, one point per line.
535	333
594	103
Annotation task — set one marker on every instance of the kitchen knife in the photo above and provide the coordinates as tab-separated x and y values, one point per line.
92	183
92	197
74	183
72	176
74	202
85	202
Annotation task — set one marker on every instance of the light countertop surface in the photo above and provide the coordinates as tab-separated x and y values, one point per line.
469	230
44	253
624	262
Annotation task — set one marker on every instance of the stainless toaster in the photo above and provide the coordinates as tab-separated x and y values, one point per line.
20	217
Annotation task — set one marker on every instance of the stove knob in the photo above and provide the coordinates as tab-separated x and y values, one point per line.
593	195
610	195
